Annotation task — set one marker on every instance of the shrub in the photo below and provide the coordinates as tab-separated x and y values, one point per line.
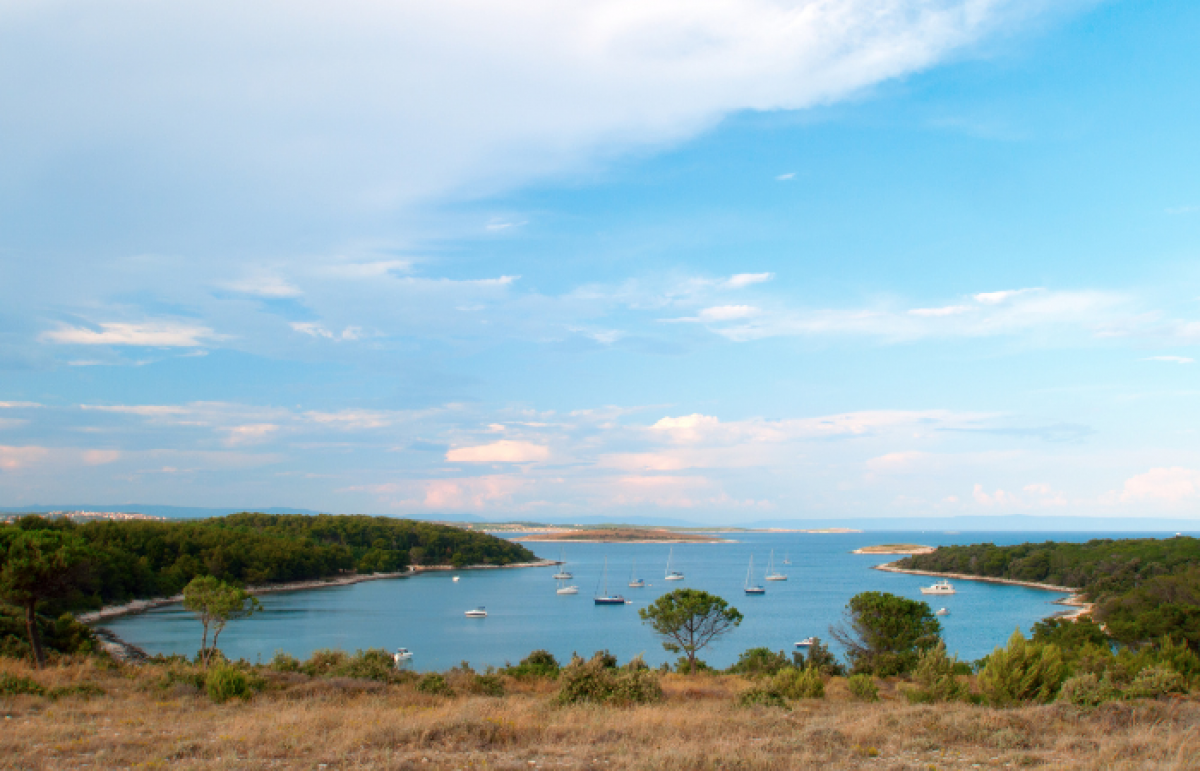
762	697
85	690
12	685
540	663
324	662
1023	671
284	662
863	687
821	658
593	682
684	667
935	674
799	684
372	664
1087	690
225	682
1156	681
434	684
757	662
487	685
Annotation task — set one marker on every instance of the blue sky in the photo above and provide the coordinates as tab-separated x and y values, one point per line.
714	261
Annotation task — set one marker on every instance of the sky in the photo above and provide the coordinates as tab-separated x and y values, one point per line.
713	261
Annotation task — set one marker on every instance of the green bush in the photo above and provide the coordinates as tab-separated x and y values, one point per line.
12	685
795	683
684	667
1087	690
1022	672
540	663
487	685
372	664
1156	681
225	682
434	684
758	662
324	662
821	658
762	697
863	687
284	662
593	682
85	690
935	674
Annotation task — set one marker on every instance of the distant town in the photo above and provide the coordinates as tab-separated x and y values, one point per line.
83	516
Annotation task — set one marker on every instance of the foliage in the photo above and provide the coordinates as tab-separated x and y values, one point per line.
1023	671
593	682
1160	606
757	662
1156	681
690	619
486	685
284	662
821	658
762	697
794	683
217	603
63	635
13	685
539	663
685	667
1087	690
935	674
371	664
140	558
226	682
862	687
885	634
434	684
324	662
1070	634
84	690
40	565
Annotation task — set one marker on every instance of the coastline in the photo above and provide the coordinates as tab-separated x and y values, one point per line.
1073	599
141	606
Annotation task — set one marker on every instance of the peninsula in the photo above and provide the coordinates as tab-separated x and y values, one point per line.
896	548
623	535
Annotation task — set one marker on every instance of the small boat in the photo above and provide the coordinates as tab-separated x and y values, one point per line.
401	655
634	581
672	575
807	642
752	588
941	587
772	573
603	597
477	613
942	612
568	590
786	559
455	579
563	574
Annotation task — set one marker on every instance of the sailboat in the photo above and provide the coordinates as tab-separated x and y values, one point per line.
672	575
634	581
604	598
563	588
563	574
786	558
771	574
752	588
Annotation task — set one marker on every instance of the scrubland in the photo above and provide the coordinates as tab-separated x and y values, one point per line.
99	714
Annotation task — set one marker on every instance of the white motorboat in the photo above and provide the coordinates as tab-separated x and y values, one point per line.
807	642
772	573
477	613
455	579
401	655
941	587
942	612
672	575
568	590
749	587
563	574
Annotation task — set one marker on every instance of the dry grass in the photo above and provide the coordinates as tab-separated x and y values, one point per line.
347	724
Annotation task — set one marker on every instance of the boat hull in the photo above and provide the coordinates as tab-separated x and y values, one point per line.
756	590
609	600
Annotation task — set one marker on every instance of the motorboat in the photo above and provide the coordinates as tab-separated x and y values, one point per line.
749	587
634	581
772	573
941	587
942	612
568	590
603	597
455	579
672	575
563	574
807	642
477	613
402	655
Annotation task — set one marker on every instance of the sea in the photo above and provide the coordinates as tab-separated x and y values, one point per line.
425	612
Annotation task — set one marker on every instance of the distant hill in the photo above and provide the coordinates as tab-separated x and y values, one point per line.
155	510
1007	524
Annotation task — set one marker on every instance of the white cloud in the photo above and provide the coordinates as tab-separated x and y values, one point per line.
785	177
101	457
17	405
897	461
264	285
157	334
503	451
313	329
1173	359
359	270
739	280
995	298
251	433
1165	485
948	310
998	498
20	457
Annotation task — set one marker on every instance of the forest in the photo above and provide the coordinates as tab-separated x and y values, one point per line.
1144	588
133	559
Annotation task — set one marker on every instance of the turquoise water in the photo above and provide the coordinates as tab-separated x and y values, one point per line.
425	613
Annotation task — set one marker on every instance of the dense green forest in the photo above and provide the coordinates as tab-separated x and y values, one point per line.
137	558
1144	588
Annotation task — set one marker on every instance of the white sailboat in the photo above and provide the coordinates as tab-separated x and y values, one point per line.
787	558
672	575
772	574
603	597
563	588
634	581
563	574
752	588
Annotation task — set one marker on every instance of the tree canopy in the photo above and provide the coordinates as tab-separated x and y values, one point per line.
216	603
40	565
689	619
884	634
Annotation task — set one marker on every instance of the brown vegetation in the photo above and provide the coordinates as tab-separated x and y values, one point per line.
148	718
623	535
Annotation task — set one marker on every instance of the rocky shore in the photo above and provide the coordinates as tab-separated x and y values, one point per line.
1074	599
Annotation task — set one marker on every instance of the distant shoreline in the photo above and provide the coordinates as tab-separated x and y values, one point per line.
896	548
1073	599
141	606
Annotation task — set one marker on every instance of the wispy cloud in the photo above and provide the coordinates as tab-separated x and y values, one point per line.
155	334
1172	359
503	451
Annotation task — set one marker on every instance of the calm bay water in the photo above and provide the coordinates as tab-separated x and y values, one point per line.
425	613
